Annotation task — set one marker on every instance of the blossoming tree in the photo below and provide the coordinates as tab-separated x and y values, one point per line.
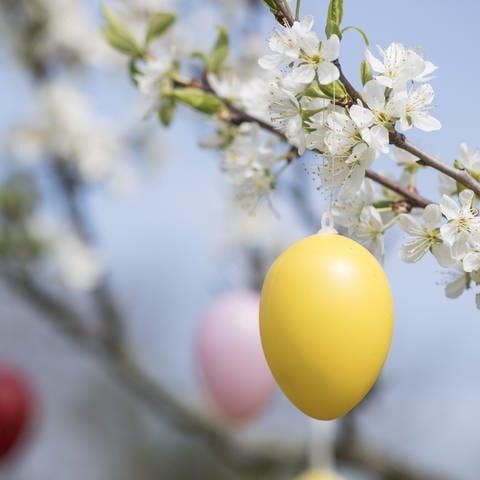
302	101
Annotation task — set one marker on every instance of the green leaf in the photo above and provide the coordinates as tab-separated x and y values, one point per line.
220	50
313	91
198	99
271	5
167	110
334	17
133	70
159	23
331	29
200	55
333	90
360	31
365	72
118	36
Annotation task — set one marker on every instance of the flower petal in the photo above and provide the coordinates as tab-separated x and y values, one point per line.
330	49
375	63
413	250
456	288
471	261
327	73
449	233
410	225
425	122
361	116
432	216
443	254
269	62
466	198
448	207
303	74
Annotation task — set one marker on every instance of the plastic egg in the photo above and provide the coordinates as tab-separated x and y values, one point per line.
16	406
233	367
326	321
319	475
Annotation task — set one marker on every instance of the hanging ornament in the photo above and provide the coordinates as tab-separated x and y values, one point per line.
233	367
319	475
326	320
15	409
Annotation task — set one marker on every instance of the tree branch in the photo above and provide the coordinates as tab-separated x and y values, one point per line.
285	14
413	198
400	141
461	176
109	314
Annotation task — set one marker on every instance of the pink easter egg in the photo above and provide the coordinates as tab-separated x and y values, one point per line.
231	359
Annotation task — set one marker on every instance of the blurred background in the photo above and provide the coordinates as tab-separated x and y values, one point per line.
116	235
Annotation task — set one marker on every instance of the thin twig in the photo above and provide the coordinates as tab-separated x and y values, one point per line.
108	312
287	17
414	198
351	90
461	176
400	141
238	116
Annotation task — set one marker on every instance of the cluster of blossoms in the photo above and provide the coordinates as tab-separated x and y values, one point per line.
66	257
67	130
300	94
450	230
312	116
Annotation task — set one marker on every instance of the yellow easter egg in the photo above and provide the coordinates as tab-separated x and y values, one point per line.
326	321
319	475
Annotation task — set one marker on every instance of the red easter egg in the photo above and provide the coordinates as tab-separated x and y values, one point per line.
16	405
233	367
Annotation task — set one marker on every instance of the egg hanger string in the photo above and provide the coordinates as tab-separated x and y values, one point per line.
327	224
321	446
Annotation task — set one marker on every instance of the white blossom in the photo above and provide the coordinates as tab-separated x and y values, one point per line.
347	209
412	109
152	78
471	260
349	143
286	114
461	219
399	66
319	65
425	236
374	96
76	264
459	282
469	159
247	163
446	185
70	132
404	159
227	85
369	231
289	42
71	31
255	97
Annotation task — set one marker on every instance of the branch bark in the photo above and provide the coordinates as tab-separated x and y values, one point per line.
461	176
413	197
107	310
285	15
